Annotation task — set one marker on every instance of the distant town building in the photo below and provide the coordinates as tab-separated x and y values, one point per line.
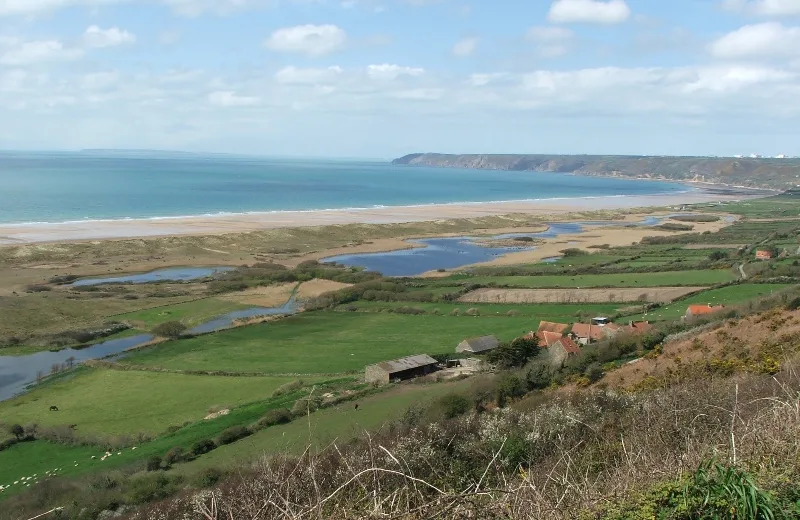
404	368
694	311
763	255
478	345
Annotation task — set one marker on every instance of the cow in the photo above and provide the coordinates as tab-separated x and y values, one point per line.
54	408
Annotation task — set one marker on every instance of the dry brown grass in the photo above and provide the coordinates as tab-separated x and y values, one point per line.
642	294
270	296
316	287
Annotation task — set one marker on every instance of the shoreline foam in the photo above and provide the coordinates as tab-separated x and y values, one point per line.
83	230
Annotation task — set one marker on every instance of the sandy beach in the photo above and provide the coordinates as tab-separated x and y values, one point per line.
11	234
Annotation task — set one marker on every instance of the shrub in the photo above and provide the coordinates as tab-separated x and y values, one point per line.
304	406
151	487
34	288
455	312
276	416
174	455
454	405
203	446
208	477
573	251
232	434
514	354
539	376
154	463
288	388
17	431
594	372
169	329
473	312
510	387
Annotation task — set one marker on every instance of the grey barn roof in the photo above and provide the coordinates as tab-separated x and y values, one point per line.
481	344
406	363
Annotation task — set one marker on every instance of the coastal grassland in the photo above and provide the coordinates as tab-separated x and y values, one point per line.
656	279
113	402
189	313
784	205
325	342
337	424
729	296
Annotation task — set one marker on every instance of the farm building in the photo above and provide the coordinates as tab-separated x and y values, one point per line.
546	338
478	345
763	255
549	326
587	333
559	351
404	368
638	327
694	311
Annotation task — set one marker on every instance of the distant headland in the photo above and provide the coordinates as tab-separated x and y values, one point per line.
769	173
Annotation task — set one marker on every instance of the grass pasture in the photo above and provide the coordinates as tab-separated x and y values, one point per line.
729	296
535	312
189	313
522	296
113	402
326	342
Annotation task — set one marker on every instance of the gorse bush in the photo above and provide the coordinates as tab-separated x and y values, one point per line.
169	329
232	434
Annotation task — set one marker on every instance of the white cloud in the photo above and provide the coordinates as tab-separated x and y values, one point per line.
228	98
770	38
307	76
183	7
311	40
19	53
551	41
465	47
589	11
764	7
95	37
392	72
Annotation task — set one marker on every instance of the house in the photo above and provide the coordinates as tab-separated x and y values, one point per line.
549	326
478	345
561	350
547	339
404	368
694	311
638	327
587	333
763	255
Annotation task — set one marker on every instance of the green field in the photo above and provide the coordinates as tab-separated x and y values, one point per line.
113	402
337	424
189	313
326	342
660	279
566	312
728	296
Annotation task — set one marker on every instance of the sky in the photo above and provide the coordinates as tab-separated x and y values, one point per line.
382	78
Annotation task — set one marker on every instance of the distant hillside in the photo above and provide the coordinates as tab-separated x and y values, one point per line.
756	173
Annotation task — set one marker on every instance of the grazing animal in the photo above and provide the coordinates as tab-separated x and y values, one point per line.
356	406
54	408
73	426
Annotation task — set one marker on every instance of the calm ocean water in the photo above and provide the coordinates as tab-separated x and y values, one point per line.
59	187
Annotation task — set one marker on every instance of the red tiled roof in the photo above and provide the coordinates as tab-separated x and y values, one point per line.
641	326
584	331
549	326
699	310
569	345
548	339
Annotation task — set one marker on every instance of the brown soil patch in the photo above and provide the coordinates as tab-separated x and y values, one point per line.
314	288
271	296
643	294
747	334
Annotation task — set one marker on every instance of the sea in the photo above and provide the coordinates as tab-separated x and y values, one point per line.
49	187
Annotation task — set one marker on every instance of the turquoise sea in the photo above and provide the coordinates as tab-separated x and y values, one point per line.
60	187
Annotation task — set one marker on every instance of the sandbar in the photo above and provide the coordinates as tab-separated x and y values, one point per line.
17	234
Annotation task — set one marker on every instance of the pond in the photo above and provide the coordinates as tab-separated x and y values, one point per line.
175	274
449	253
227	320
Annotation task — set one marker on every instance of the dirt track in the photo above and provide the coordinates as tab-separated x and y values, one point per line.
640	294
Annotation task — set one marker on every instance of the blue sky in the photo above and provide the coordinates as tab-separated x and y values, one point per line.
381	78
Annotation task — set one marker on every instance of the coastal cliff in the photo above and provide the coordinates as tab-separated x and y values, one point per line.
754	173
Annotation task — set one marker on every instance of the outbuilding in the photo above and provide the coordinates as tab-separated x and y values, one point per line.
404	368
478	345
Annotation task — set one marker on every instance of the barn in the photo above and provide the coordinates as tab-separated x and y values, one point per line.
404	368
478	345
